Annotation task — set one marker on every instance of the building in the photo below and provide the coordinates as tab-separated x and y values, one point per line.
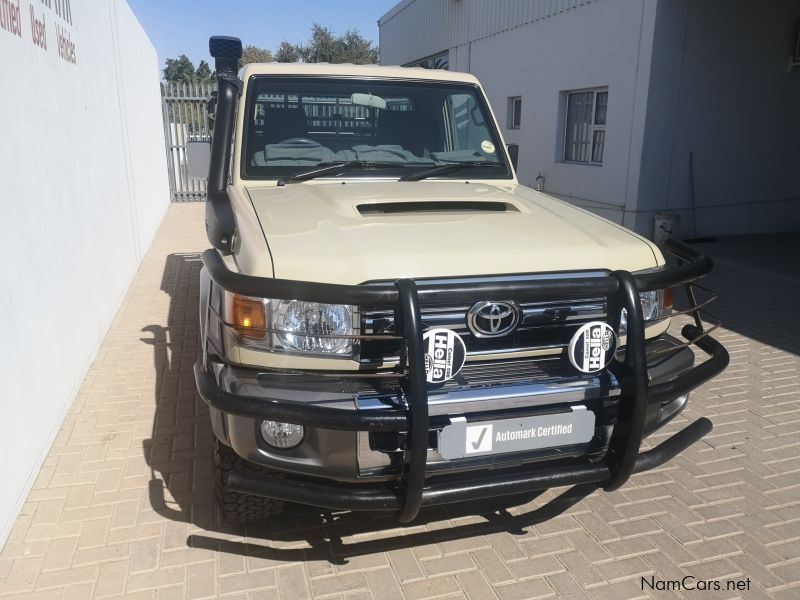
633	108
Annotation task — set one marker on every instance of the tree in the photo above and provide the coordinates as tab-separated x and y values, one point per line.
322	47
358	50
287	53
203	72
254	54
351	47
179	69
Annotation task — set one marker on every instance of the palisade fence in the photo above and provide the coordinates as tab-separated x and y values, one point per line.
187	131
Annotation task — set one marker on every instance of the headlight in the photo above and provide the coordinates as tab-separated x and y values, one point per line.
655	304
313	327
292	325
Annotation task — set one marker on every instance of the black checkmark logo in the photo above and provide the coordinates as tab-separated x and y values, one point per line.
476	445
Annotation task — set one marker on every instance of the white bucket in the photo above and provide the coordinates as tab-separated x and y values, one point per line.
664	226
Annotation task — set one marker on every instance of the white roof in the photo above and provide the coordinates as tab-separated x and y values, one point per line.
350	70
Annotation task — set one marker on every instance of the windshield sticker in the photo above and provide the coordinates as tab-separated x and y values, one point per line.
592	347
445	354
487	147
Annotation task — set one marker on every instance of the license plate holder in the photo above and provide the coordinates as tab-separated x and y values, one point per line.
462	439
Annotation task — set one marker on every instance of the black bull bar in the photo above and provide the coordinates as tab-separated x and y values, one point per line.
621	289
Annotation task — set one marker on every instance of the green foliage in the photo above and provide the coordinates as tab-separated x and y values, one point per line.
179	69
287	53
324	46
254	54
203	72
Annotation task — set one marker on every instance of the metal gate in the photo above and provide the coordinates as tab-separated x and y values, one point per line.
188	135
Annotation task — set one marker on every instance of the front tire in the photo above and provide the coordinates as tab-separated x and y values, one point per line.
235	507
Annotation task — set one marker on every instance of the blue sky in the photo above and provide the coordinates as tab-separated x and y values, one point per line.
183	26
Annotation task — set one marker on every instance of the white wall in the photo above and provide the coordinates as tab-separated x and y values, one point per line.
539	50
720	90
413	29
602	44
84	187
702	76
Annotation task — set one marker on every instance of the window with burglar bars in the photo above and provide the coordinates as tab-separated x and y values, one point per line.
585	134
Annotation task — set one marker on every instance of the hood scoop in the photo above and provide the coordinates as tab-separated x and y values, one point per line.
434	206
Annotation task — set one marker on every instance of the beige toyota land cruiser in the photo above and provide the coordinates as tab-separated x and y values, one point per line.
389	320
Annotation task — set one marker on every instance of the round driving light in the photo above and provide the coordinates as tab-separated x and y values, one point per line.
282	435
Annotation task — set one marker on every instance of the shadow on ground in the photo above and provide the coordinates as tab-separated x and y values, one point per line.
757	279
179	454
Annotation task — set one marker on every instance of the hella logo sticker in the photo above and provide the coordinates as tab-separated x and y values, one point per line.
592	347
445	354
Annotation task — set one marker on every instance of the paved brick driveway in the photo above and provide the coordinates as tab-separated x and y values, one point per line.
123	504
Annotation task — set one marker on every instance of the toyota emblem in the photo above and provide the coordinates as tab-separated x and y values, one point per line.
493	319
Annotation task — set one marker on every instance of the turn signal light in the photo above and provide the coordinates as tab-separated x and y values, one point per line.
667	301
246	315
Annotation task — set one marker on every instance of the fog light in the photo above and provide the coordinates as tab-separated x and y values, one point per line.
282	435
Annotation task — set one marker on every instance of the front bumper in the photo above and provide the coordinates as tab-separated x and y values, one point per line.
646	398
484	391
311	481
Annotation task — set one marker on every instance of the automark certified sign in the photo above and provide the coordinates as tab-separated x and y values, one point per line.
445	354
461	439
592	347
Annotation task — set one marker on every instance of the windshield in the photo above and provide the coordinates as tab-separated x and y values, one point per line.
394	128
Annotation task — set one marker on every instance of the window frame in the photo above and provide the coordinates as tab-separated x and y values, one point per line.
592	126
510	124
240	154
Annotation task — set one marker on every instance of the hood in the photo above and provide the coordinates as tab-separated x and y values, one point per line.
355	232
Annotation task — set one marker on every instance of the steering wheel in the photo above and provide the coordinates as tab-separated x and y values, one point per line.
300	140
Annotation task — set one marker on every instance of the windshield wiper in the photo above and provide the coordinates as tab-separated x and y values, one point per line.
337	167
442	169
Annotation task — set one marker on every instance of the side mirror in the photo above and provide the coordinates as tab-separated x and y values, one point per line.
513	154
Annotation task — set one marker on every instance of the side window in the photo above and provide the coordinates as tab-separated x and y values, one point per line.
467	127
585	131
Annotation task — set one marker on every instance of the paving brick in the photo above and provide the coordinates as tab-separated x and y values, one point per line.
579	568
431	588
627	568
65	577
405	565
448	564
523	590
567	588
155	579
111	579
338	583
22	576
293	582
535	567
382	585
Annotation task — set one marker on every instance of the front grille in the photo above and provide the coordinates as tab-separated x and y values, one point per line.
543	325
